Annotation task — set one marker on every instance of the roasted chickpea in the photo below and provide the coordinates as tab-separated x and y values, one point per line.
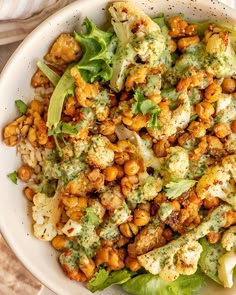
70	106
213	92
228	85
230	218
164	106
205	110
37	106
175	205
160	148
184	43
121	158
125	230
172	45
60	243
25	173
131	167
197	129
168	234
132	263
29	193
141	217
112	137
221	130
133	179
121	172
113	100
145	206
126	186
72	201
127	121
233	126
122	241
107	127
213	237
211	202
110	173
214	142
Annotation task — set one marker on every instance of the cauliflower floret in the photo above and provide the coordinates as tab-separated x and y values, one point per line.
172	121
172	260
176	164
121	215
225	108
229	238
222	54
128	20
181	256
229	164
187	258
133	27
46	214
216	182
230	144
72	228
226	265
99	154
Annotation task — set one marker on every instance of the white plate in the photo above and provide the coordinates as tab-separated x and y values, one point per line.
15	222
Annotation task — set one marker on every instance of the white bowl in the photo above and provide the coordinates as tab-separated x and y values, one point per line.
15	221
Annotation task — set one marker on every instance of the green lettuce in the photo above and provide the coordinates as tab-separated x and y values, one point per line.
148	284
98	49
104	279
48	72
208	261
145	106
21	106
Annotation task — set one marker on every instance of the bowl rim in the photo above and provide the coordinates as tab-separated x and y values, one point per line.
9	66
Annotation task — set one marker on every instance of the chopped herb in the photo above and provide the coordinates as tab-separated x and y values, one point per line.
13	177
21	106
193	117
176	188
91	217
146	106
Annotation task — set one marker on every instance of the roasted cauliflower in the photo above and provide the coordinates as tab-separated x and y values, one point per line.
99	153
46	215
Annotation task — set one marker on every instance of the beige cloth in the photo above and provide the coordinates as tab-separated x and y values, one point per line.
14	278
19	17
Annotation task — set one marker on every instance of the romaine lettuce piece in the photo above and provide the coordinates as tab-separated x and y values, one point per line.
98	48
208	261
148	284
104	279
48	72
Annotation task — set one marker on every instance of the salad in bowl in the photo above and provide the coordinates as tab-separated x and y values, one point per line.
128	152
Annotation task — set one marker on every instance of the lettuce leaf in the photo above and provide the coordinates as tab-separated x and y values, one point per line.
98	47
148	284
48	72
104	279
208	261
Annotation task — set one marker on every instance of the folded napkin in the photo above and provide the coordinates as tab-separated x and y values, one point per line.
19	18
